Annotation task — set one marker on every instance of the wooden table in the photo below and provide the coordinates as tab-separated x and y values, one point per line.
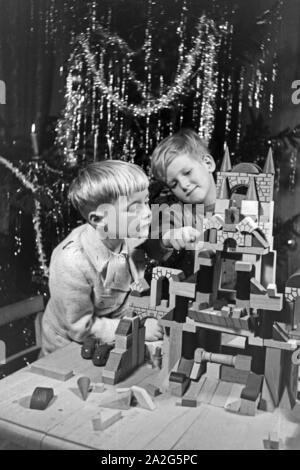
67	422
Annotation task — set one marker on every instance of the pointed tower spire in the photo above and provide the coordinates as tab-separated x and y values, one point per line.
252	191
269	165
224	192
226	163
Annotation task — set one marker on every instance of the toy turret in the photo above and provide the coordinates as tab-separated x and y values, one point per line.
226	163
269	165
224	192
252	191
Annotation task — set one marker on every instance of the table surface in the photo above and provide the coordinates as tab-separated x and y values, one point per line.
67	422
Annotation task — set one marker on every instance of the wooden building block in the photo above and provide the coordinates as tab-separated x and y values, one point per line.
243	362
121	402
184	289
124	342
255	341
259	240
267	401
243	266
272	290
273	372
41	398
114	360
197	371
233	401
135	341
54	372
140	288
98	388
124	327
213	370
105	419
185	366
264	302
229	228
83	384
141	345
230	374
249	208
248	407
191	396
221	205
273	441
152	390
248	239
253	387
221	394
213	234
175	349
143	398
208	390
178	389
256	287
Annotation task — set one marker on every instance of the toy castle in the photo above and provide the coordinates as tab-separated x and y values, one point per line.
233	291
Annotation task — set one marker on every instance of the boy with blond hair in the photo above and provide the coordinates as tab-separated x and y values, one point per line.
183	164
92	269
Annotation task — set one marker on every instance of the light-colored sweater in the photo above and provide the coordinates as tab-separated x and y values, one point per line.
89	287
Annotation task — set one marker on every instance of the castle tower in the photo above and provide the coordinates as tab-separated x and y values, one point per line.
226	163
269	167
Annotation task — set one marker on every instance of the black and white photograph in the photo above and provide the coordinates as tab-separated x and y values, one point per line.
149	228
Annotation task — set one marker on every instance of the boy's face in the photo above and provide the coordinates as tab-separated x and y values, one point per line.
128	217
191	180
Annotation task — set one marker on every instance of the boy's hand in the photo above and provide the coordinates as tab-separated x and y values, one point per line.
154	331
184	237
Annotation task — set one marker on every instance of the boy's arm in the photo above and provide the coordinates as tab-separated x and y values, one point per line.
72	293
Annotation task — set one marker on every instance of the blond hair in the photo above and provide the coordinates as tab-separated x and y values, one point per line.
185	141
104	182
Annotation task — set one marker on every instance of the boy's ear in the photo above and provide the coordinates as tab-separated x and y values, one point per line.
95	218
209	162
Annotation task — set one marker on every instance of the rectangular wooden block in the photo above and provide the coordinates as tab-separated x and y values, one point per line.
52	372
253	387
243	362
124	342
221	394
197	370
135	341
234	396
106	419
141	345
178	389
184	289
213	370
114	360
208	390
124	327
185	366
194	389
248	239
230	374
152	389
248	407
143	398
243	266
266	303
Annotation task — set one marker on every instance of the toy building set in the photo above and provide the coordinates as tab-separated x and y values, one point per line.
233	292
